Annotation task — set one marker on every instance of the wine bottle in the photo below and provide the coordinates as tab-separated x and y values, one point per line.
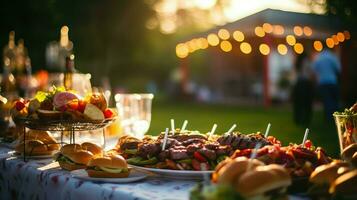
69	71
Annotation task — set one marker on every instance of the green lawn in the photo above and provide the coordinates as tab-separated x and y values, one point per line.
248	119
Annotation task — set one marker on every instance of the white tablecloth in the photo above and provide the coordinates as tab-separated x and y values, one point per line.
27	180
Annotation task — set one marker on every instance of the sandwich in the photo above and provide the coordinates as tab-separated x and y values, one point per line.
345	185
75	156
113	166
264	182
37	143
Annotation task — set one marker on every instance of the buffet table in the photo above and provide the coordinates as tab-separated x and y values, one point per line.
42	179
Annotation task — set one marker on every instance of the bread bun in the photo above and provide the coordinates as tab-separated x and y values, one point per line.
348	152
80	156
346	184
327	173
33	148
229	173
103	174
69	148
95	149
115	161
70	167
49	114
354	159
262	179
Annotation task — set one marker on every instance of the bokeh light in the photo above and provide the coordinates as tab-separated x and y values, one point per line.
268	28
223	34
226	46
259	31
264	49
213	39
347	35
192	45
282	49
340	37
298	30
335	40
330	43
202	43
307	31
290	39
238	36
245	47
298	48
278	30
318	46
182	50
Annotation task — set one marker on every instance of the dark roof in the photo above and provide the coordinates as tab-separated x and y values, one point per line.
320	23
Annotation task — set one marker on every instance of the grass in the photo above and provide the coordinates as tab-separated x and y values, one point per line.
248	119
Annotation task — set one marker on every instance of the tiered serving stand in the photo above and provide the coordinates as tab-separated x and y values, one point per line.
63	126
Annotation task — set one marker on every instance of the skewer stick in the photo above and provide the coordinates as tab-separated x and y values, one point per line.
184	126
267	131
165	139
214	127
305	136
173	126
206	176
231	129
254	155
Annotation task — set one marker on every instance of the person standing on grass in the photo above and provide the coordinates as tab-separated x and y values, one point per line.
302	94
327	68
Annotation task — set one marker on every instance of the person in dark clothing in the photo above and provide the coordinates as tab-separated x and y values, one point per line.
303	92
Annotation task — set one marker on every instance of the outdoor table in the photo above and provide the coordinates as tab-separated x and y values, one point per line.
31	180
28	180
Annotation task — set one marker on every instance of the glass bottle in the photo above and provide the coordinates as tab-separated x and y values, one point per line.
68	75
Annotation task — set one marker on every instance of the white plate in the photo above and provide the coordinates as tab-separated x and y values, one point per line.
15	154
176	174
133	176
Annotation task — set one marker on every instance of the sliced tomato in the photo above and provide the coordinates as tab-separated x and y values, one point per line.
73	104
108	113
81	105
199	157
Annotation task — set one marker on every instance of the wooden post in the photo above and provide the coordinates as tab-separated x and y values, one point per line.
266	79
184	75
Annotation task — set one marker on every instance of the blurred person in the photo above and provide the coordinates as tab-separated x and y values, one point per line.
303	91
327	68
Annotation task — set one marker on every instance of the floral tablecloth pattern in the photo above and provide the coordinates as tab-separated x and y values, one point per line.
27	180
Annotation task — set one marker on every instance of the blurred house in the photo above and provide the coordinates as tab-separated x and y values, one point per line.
251	60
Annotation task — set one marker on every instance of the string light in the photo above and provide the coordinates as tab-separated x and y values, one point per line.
238	36
282	49
318	45
182	50
335	40
245	47
340	37
330	43
347	35
298	31
259	31
278	30
268	28
223	34
264	49
290	39
213	39
307	31
226	46
298	48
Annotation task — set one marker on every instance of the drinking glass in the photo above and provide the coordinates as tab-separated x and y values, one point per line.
134	112
347	129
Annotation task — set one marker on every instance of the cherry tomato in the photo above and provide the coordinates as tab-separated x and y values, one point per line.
19	105
108	113
199	157
308	144
81	106
73	104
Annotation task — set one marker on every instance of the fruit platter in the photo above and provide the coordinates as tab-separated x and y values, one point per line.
58	110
